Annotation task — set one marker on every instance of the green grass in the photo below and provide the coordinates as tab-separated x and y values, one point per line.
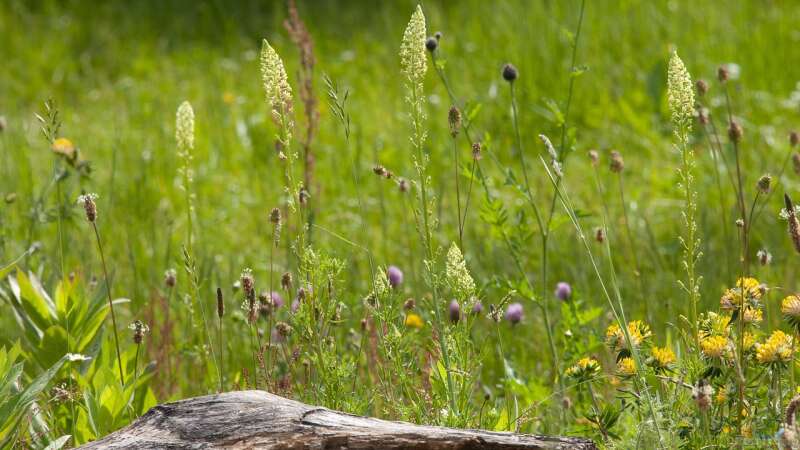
119	71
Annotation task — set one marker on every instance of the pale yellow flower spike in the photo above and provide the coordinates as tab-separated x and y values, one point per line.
184	127
412	50
681	95
276	85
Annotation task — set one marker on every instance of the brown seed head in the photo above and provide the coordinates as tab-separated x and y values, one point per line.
617	163
702	87
454	119
402	184
220	304
599	235
275	216
794	138
722	74
87	201
594	157
409	304
794	223
735	131
286	281
764	184
476	151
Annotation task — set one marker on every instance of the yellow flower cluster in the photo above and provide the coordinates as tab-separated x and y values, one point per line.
663	357
715	347
681	94
414	321
790	306
626	367
584	369
777	348
638	331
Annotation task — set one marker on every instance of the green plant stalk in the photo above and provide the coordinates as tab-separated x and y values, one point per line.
110	303
427	233
690	242
458	194
618	315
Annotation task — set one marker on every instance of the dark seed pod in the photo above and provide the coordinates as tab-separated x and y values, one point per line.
220	304
510	73
431	44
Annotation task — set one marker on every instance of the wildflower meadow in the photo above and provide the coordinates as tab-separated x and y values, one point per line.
572	218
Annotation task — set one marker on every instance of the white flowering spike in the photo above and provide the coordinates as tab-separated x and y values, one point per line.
681	94
184	127
456	272
276	84
412	50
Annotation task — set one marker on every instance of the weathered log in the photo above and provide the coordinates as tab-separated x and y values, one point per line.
257	419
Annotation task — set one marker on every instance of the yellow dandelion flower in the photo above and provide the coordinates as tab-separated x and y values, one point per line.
414	321
715	347
626	367
777	348
584	369
663	357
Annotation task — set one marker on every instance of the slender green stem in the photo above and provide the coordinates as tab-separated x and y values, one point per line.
458	194
110	302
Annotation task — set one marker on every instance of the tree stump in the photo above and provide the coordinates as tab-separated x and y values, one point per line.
257	419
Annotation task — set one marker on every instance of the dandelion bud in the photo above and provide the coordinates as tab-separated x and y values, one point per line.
454	119
220	304
764	184
395	276
87	201
510	73
722	74
455	311
594	157
402	184
431	44
702	87
514	313
617	163
735	131
599	235
170	278
794	223
563	291
409	304
764	257
286	281
476	151
794	138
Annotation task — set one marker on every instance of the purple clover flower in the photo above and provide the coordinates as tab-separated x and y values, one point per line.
395	276
563	291
514	313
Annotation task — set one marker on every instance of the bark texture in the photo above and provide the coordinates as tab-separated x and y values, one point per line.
257	419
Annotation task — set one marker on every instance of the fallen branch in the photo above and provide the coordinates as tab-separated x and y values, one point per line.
257	419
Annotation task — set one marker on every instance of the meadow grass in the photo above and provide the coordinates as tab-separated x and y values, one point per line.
118	73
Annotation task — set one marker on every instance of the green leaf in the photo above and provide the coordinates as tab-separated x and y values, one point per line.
58	443
33	299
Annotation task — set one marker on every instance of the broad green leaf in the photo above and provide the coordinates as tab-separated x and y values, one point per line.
38	307
58	443
52	346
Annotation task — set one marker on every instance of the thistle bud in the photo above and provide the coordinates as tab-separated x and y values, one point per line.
796	163
286	281
794	223
617	163
794	138
431	44
735	131
510	73
599	235
455	311
702	87
87	201
454	119
220	304
476	151
764	184
722	74
594	157
170	278
477	308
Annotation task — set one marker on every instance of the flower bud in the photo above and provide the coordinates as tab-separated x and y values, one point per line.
510	73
